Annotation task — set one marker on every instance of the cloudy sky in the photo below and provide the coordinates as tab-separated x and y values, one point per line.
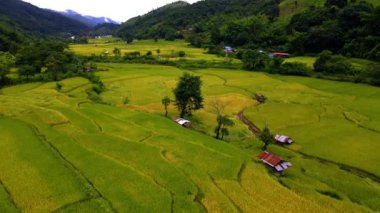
119	10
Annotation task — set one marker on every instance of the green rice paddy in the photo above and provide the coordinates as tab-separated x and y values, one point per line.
60	152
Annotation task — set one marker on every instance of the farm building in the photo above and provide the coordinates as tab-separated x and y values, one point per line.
183	122
274	161
283	139
260	98
281	54
228	49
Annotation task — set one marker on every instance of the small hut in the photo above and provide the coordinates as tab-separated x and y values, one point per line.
275	162
229	49
260	98
183	122
283	139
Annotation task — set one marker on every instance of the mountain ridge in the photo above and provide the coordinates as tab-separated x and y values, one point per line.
90	21
39	21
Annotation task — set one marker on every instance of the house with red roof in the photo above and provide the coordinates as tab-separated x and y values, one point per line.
274	161
281	54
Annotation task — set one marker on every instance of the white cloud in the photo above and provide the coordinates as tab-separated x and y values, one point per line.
118	10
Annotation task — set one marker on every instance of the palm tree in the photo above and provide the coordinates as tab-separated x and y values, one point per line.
221	129
166	102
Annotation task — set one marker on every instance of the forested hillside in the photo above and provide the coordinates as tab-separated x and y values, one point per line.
10	36
341	26
165	22
37	20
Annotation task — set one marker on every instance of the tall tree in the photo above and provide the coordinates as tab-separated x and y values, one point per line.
254	60
188	94
166	102
221	129
7	60
117	52
55	64
266	137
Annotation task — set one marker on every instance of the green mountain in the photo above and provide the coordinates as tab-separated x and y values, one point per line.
166	21
38	21
104	29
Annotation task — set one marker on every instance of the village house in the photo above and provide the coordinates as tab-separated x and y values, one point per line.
280	54
183	122
283	139
274	161
228	49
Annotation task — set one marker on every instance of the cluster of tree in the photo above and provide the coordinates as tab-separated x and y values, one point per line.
258	60
188	98
350	29
188	95
48	59
42	60
338	65
327	65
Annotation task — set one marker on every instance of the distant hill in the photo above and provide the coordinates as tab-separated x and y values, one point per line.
90	21
163	21
104	29
290	7
33	19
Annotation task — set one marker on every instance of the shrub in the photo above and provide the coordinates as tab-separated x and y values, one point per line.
58	86
181	54
295	68
275	65
374	54
374	74
126	100
338	65
322	59
94	97
96	88
333	64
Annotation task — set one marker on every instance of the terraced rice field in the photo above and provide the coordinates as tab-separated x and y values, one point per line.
168	50
59	152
